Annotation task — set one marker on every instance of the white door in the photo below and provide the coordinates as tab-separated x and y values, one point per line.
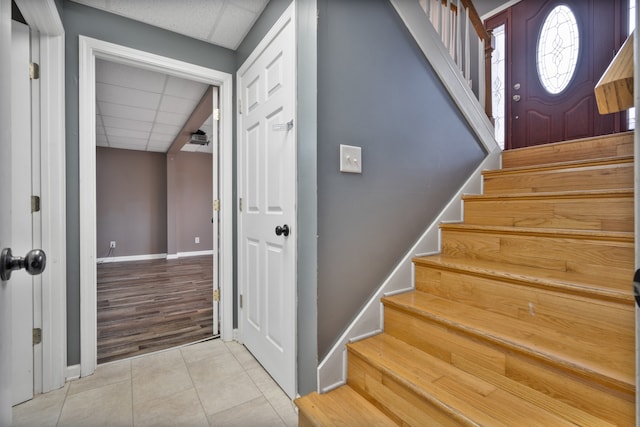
21	225
5	210
267	191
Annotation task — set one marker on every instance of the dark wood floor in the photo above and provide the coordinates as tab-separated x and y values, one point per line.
146	306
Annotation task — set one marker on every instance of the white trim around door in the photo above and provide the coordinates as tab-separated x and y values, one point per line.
42	16
90	49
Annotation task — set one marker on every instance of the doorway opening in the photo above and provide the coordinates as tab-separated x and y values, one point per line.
90	51
154	200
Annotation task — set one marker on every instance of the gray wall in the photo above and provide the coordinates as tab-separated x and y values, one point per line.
82	20
131	202
377	91
132	193
194	201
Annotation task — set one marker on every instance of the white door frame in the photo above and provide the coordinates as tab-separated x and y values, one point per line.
42	16
90	49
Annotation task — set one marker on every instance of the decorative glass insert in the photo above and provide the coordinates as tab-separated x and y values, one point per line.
557	50
498	83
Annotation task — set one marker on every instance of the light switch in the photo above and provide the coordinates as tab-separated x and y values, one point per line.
350	159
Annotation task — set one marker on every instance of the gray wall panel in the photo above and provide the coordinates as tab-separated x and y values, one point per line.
377	91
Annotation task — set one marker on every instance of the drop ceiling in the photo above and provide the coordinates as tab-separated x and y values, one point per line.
143	110
221	22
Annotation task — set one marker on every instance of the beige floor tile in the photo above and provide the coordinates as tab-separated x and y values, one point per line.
104	375
283	405
42	411
180	409
105	406
257	412
221	394
157	362
157	383
204	350
218	369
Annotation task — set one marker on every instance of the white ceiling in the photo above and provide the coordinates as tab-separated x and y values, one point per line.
221	22
143	110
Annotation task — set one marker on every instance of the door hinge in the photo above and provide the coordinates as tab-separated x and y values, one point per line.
34	71
239	106
216	205
216	114
35	204
37	336
240	204
240	300
216	295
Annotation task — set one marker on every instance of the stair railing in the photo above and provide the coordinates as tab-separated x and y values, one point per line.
453	21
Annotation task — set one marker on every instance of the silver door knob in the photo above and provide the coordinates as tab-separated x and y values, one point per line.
34	262
516	98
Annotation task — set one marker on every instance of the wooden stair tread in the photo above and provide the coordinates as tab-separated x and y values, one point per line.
578	356
612	236
340	407
560	281
551	195
579	149
491	401
626	160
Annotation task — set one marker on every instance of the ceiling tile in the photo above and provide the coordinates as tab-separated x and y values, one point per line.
255	6
161	128
185	88
120	123
128	76
126	112
126	96
172	104
172	118
226	31
125	140
125	133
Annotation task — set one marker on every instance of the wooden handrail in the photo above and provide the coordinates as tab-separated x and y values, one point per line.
477	22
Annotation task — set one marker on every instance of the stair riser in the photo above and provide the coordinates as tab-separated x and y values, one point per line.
613	213
593	148
593	320
594	258
466	352
594	178
391	397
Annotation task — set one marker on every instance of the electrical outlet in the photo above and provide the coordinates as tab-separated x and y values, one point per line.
112	244
197	240
350	159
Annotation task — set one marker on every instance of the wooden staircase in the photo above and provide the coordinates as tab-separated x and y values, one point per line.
527	315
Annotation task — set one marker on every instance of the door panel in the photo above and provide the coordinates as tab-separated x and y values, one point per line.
21	224
267	170
536	116
5	210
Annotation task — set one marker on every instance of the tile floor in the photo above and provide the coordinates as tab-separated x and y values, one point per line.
212	383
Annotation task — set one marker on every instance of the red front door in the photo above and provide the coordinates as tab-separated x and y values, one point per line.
566	108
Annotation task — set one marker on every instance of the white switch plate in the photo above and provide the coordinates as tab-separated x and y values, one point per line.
350	159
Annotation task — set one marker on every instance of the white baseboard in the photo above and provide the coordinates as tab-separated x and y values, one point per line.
194	253
154	256
131	258
72	373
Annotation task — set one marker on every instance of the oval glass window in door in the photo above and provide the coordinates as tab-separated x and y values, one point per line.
558	48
